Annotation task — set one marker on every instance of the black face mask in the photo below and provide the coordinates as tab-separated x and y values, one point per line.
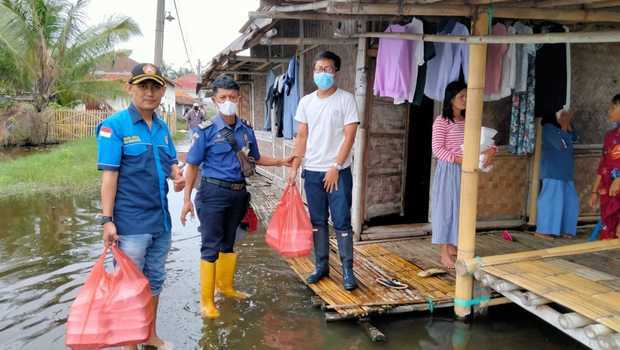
195	108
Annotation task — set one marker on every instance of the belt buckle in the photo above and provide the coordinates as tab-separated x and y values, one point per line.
237	187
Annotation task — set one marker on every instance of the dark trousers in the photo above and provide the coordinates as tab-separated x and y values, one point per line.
220	211
337	203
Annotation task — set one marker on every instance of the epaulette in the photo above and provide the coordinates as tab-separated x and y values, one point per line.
246	123
205	124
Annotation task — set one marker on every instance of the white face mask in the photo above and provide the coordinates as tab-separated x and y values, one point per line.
228	108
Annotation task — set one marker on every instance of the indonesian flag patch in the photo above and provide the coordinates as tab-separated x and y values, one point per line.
105	132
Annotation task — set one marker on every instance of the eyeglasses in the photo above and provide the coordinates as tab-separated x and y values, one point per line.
330	70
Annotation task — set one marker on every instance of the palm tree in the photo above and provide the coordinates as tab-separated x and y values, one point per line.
48	52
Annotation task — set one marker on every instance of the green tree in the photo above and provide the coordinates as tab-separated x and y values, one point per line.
48	52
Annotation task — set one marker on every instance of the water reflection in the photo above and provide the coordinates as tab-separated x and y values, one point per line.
48	245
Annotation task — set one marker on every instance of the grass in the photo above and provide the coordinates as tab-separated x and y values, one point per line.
69	168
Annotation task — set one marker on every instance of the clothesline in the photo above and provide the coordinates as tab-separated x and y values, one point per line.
544	38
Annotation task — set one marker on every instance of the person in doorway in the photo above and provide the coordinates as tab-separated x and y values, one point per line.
558	202
606	187
225	150
136	155
328	120
193	117
448	137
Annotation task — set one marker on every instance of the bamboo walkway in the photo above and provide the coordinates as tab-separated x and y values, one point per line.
576	288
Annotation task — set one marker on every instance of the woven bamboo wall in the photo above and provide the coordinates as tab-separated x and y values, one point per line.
595	80
385	158
260	93
586	162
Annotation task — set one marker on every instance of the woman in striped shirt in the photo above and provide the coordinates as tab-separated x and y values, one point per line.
448	138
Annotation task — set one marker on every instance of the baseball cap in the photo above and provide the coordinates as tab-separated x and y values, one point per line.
146	71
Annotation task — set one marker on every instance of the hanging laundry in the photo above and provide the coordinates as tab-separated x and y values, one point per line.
551	75
508	74
269	80
417	58
291	98
275	101
523	51
393	70
495	58
522	122
429	53
448	63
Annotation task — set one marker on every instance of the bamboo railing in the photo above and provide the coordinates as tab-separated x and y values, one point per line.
68	124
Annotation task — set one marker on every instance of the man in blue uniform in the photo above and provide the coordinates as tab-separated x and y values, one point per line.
224	150
137	156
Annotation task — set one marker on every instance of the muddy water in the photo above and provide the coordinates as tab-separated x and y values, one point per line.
47	246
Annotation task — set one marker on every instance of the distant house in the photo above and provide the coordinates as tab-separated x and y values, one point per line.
186	88
120	69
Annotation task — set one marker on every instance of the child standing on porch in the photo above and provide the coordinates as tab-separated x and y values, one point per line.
607	183
448	136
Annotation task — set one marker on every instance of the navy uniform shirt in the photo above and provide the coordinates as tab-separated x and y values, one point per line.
143	158
216	157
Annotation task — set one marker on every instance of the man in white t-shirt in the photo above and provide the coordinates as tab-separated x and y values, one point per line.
328	120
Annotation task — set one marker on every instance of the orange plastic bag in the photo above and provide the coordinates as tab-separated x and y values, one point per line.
289	231
111	309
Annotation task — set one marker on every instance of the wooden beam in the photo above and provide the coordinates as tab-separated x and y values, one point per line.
560	3
259	59
532	205
239	72
560	15
543	38
469	169
604	4
311	16
361	82
312	6
307	41
235	66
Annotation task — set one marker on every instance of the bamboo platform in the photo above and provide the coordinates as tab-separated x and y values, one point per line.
575	288
374	261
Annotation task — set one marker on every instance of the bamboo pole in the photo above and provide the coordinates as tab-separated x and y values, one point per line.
361	83
543	38
468	266
469	172
532	205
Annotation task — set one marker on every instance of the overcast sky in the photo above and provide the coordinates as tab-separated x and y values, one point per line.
208	25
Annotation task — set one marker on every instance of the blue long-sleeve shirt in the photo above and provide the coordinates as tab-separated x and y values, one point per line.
556	161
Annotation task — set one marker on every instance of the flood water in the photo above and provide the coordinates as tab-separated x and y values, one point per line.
47	246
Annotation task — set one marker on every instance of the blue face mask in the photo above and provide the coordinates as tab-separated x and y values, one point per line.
324	80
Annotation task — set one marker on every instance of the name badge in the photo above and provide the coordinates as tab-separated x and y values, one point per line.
131	139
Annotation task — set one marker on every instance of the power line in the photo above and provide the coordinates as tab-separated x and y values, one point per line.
182	35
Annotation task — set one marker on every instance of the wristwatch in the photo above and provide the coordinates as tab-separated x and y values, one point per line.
337	166
102	219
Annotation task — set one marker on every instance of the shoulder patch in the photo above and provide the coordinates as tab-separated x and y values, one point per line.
246	123
205	124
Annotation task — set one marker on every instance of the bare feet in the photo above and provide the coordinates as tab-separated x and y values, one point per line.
543	236
452	250
445	257
158	343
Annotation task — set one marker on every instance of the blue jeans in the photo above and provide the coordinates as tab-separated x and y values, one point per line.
149	252
220	211
321	203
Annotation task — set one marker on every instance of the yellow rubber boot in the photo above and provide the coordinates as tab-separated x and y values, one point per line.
226	267
207	289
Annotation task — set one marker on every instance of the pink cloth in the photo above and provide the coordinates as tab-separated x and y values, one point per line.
447	139
393	71
495	56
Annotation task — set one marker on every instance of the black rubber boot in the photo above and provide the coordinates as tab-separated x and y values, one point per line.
345	250
321	255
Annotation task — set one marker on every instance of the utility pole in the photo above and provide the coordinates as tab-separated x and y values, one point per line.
159	33
198	68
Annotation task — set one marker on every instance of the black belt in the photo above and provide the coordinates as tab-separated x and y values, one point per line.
235	186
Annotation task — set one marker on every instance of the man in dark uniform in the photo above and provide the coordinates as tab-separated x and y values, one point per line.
137	156
219	149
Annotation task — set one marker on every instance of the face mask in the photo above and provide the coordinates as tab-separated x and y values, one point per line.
324	80
228	108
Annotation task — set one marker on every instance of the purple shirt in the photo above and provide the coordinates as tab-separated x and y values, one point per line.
445	67
393	71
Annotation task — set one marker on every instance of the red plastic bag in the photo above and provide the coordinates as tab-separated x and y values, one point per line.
111	309
250	220
289	231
